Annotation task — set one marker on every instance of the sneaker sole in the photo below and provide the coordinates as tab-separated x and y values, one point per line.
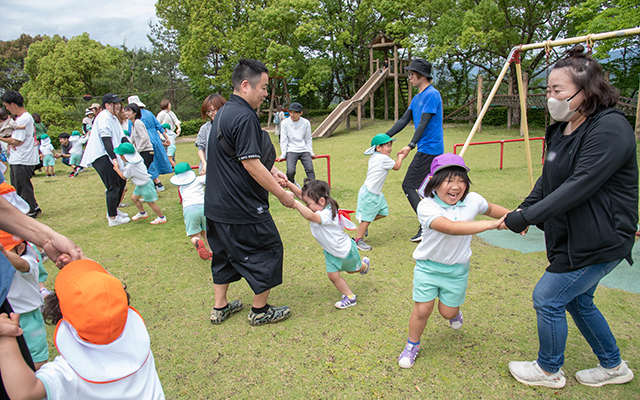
138	219
363	249
368	262
618	380
554	385
157	223
414	239
347	306
405	366
202	251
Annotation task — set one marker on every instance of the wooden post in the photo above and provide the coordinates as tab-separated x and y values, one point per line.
479	102
396	112
386	101
347	123
359	109
510	108
638	117
372	72
525	88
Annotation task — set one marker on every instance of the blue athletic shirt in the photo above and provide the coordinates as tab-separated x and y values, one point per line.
429	101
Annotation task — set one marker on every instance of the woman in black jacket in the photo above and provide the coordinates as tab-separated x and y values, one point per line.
586	201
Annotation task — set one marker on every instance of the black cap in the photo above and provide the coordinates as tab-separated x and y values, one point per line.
110	98
297	107
423	67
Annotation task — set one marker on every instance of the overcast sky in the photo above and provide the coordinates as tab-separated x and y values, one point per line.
111	22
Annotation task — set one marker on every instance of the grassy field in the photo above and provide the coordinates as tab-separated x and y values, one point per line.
322	352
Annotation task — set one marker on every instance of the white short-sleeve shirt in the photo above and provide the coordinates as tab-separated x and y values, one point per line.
330	234
27	152
105	125
24	294
379	166
441	247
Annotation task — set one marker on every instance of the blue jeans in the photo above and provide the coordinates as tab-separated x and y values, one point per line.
573	292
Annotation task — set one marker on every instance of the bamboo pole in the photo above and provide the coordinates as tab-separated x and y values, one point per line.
524	127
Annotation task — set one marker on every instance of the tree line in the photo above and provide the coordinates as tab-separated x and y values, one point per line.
318	46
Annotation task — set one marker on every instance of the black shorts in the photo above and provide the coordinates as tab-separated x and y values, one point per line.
418	170
250	251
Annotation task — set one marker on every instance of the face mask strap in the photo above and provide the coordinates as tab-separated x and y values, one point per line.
571	98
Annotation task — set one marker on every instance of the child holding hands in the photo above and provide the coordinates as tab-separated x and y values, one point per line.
327	224
371	202
446	215
145	188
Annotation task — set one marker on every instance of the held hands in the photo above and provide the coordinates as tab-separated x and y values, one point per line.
288	199
404	151
10	325
496	223
280	177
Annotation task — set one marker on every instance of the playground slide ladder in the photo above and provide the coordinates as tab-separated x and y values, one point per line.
340	113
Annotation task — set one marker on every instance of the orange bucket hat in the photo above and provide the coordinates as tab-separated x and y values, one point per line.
9	241
92	301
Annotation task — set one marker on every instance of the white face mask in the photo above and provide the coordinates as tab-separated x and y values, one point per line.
559	109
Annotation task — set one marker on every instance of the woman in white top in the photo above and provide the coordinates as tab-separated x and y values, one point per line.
139	135
210	107
166	116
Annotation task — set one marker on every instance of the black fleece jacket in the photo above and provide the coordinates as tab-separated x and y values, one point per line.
590	217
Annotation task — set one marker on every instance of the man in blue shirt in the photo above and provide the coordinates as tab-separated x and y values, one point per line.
426	112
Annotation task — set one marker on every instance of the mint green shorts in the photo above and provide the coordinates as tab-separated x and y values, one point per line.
370	205
348	264
171	150
147	192
35	335
194	219
48	160
447	282
75	159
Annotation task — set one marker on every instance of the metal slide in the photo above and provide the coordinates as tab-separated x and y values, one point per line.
340	113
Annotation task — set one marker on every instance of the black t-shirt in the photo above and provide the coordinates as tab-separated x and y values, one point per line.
232	196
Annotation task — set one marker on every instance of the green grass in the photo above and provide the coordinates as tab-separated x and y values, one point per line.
322	352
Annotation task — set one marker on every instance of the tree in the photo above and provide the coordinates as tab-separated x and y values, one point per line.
12	55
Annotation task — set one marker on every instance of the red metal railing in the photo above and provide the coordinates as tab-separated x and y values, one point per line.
328	157
502	142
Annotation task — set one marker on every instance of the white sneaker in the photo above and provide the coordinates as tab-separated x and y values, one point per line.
118	220
599	376
159	220
140	216
120	214
530	373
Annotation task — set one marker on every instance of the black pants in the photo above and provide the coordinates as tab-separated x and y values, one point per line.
418	170
24	350
112	181
147	157
307	163
21	180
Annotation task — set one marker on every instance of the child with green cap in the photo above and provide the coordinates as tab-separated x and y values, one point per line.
76	140
371	202
171	149
191	188
135	170
46	152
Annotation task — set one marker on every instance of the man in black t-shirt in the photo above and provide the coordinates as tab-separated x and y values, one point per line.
241	233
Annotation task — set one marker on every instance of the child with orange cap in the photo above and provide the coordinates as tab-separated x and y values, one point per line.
104	345
24	294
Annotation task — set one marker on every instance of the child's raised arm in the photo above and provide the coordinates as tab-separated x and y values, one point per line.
445	225
496	211
18	262
399	159
19	380
307	213
295	189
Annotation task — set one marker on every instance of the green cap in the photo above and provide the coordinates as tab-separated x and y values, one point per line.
75	133
381	138
181	167
166	126
126	132
125	148
43	136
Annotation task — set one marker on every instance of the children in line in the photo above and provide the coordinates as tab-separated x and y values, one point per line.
171	148
327	224
191	189
446	216
135	170
103	343
76	151
46	153
24	295
371	202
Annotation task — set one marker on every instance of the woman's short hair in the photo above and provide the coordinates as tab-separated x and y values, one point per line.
164	104
213	100
135	109
588	76
36	118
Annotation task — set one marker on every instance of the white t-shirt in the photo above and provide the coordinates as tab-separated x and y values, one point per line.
193	193
137	172
46	149
441	247
330	234
76	143
105	125
172	136
379	166
168	117
27	152
295	136
24	294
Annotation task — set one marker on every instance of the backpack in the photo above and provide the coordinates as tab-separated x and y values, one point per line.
276	118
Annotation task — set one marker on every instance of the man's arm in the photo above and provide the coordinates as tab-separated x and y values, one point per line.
424	121
11	141
261	175
59	248
401	123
